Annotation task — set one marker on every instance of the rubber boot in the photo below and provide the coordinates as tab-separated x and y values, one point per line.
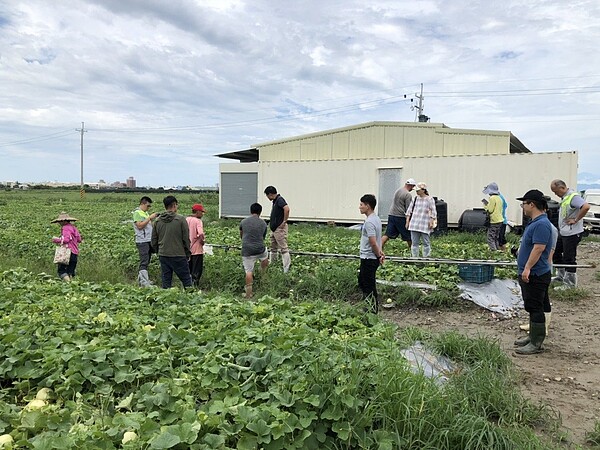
525	326
143	278
522	342
537	334
548	319
287	261
248	291
66	278
560	275
571	279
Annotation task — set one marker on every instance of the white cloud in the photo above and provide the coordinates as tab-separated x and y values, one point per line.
163	86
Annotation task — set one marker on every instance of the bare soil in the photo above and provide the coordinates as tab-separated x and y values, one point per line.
566	376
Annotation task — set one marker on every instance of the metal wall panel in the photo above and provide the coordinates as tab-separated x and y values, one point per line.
340	143
237	192
331	190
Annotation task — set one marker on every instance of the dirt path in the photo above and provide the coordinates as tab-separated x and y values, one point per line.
566	376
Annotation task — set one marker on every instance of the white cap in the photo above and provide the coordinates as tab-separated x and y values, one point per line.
411	181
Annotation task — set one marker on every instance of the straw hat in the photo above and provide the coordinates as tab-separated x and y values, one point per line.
64	217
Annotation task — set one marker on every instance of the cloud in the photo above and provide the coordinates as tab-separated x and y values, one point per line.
163	86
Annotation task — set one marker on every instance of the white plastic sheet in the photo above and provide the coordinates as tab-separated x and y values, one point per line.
500	296
423	361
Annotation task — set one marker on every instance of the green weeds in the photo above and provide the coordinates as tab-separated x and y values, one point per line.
185	370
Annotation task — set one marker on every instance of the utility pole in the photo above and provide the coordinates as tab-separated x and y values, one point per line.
419	109
81	189
419	113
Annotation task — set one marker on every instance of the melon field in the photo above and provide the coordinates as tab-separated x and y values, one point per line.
101	363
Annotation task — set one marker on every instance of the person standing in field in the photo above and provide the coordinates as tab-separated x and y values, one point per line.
142	226
371	254
196	262
171	240
420	220
69	236
495	209
533	267
573	209
280	212
397	216
253	231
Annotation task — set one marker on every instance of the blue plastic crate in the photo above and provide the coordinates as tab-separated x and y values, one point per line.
476	273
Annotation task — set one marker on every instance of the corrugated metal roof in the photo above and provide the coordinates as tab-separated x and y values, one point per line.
252	154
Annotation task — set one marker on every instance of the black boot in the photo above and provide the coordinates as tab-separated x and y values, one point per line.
537	334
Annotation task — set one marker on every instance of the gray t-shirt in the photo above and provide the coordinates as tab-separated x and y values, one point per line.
254	231
371	227
402	199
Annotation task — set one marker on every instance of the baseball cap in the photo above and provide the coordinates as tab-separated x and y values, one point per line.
534	195
198	207
411	181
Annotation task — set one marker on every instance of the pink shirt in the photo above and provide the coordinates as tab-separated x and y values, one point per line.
69	236
196	235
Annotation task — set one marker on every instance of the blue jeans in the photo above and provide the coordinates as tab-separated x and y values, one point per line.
416	237
177	264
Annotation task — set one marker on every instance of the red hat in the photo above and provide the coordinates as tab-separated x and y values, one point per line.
198	207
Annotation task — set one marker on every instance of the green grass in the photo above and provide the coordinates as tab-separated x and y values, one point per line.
215	371
573	295
593	437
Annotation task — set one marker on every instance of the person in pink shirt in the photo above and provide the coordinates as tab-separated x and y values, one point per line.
70	237
196	261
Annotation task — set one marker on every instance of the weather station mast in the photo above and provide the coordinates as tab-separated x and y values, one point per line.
418	109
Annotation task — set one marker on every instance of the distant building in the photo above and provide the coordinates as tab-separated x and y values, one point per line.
131	182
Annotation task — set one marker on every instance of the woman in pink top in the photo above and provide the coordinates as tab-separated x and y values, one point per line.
70	237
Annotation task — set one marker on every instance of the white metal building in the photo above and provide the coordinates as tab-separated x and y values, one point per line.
323	175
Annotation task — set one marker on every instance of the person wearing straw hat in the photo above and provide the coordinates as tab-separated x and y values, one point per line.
70	237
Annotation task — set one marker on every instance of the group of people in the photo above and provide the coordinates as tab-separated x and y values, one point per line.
542	245
179	242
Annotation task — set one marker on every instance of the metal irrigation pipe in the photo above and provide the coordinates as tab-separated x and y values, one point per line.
400	259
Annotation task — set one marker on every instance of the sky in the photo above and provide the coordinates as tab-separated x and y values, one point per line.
162	87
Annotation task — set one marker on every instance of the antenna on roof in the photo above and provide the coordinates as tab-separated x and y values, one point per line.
419	109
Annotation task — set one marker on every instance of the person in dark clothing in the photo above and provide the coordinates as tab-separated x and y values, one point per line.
171	239
280	212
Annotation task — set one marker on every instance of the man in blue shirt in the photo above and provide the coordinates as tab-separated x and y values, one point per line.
534	269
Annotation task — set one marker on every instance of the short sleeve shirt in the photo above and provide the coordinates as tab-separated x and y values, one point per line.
539	231
371	227
277	212
145	234
254	230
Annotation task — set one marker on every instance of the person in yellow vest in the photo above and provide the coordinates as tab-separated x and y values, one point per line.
494	208
573	209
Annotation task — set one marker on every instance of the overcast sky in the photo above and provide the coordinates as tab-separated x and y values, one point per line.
163	86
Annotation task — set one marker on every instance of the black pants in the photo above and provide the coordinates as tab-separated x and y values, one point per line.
535	294
502	236
366	282
566	251
177	264
68	269
196	264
